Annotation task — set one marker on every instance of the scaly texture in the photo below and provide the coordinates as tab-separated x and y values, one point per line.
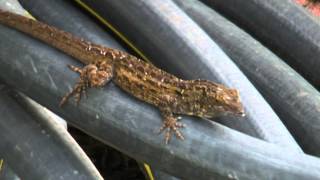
144	81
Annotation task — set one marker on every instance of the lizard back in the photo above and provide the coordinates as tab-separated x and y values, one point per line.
144	81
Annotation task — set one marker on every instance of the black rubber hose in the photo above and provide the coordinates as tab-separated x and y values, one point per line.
176	44
292	97
6	172
210	151
283	26
37	148
54	13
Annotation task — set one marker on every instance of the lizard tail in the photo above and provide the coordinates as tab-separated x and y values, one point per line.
76	47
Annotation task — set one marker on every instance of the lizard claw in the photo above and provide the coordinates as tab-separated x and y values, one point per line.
171	125
79	88
75	69
77	91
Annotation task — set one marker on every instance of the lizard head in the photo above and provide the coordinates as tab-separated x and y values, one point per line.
215	100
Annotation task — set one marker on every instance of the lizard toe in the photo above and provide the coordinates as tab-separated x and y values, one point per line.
171	126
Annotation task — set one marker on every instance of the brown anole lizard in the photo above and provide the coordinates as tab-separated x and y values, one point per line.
171	95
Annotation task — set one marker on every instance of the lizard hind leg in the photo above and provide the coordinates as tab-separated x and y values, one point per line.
171	125
92	75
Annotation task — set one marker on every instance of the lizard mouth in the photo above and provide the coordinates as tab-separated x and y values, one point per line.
241	114
238	113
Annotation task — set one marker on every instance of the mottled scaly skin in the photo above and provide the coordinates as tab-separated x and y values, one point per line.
146	82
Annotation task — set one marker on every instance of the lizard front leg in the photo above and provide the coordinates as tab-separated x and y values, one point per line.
171	125
96	74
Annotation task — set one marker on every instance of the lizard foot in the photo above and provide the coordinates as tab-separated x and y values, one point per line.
171	125
77	91
92	75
